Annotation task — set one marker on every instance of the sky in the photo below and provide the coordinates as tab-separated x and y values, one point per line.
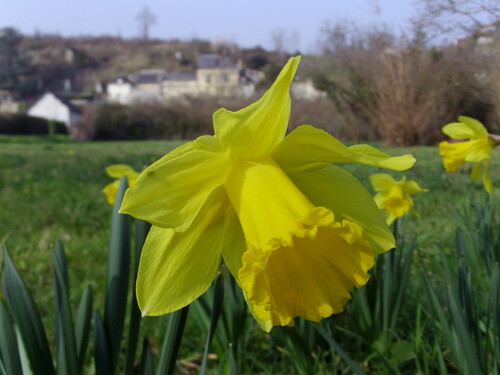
247	23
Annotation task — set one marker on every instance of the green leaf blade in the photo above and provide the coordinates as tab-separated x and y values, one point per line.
28	319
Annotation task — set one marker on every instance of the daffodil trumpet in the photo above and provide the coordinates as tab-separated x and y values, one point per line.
296	231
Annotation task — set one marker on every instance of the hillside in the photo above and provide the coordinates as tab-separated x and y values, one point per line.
52	62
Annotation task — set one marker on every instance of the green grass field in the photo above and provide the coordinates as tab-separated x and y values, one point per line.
50	189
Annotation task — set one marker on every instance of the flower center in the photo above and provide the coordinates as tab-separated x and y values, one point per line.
299	260
397	202
268	204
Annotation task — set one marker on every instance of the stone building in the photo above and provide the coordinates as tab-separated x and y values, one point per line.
215	76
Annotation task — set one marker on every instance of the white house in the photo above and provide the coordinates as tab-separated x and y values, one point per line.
120	90
54	107
305	90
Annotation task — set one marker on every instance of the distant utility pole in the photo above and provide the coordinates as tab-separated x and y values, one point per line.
146	19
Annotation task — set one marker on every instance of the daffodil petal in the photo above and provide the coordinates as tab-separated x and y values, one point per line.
177	267
479	150
118	170
371	156
254	131
390	218
412	187
477	127
110	191
459	130
339	191
265	325
234	244
171	191
308	145
382	181
312	277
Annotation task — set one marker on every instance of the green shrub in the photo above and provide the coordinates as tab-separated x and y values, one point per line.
143	121
20	124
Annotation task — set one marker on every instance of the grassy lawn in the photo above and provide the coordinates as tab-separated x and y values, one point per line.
50	189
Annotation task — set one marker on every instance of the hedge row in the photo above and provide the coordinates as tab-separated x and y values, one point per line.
21	124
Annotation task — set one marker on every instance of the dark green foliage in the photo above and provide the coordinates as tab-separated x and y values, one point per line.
117	280
144	121
146	365
68	360
217	308
10	362
102	356
466	305
27	319
141	231
71	336
256	58
70	339
172	341
24	124
16	74
223	313
377	307
83	324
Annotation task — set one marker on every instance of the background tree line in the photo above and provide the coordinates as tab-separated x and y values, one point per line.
381	85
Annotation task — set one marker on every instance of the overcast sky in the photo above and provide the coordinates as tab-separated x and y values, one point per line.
248	23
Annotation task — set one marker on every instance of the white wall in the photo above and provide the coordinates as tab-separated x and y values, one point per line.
119	92
50	108
305	91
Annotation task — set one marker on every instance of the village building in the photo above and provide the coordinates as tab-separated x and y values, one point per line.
119	90
215	76
54	107
305	90
7	103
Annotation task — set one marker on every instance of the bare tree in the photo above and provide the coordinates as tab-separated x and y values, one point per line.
278	40
294	41
450	17
285	41
146	19
224	46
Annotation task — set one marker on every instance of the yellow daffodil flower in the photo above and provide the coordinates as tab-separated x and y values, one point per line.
473	144
117	171
296	231
394	197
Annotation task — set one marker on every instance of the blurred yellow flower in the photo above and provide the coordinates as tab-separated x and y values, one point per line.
117	171
296	231
472	144
394	197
